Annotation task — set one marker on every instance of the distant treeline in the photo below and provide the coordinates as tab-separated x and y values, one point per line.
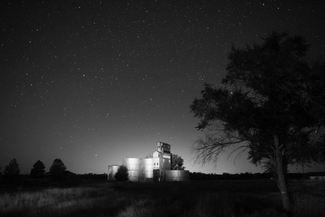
194	176
242	176
27	177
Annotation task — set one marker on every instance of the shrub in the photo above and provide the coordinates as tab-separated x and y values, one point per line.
122	174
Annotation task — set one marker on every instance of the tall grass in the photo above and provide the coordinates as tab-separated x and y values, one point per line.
309	205
213	204
61	202
129	200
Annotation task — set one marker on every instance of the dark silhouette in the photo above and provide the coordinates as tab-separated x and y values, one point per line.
12	170
264	106
122	174
177	162
57	170
38	170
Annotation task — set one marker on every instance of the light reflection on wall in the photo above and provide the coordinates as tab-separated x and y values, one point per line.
157	168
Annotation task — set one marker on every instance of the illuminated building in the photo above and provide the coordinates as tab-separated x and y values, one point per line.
156	168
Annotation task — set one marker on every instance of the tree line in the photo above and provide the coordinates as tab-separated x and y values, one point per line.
57	170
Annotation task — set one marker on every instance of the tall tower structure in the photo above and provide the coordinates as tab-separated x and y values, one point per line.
161	160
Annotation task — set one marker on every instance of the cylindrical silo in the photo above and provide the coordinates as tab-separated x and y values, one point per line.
112	170
177	175
133	166
147	169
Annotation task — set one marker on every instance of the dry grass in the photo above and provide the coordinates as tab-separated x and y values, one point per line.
157	199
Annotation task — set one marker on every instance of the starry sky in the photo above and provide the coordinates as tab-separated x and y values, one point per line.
92	82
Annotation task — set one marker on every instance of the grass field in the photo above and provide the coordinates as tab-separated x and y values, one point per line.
187	199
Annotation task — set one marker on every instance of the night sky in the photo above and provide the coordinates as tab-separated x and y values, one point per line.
92	82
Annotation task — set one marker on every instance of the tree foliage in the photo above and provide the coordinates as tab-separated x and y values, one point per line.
38	170
12	170
57	169
122	174
271	103
177	162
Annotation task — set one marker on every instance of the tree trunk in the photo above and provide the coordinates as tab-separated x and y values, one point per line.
282	184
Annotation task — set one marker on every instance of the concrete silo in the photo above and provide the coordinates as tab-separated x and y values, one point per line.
146	169
112	170
133	166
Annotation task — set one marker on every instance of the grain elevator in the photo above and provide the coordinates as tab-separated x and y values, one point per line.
155	168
